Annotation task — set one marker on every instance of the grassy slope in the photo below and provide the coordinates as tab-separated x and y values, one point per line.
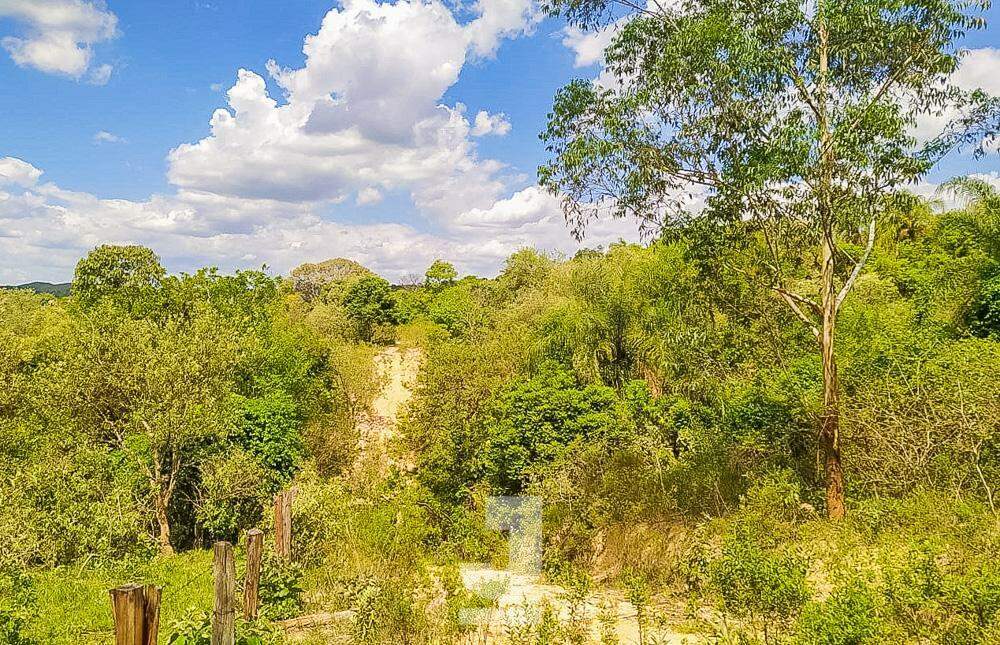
74	606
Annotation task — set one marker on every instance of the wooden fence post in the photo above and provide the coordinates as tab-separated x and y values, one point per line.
251	589
283	524
136	611
279	524
224	574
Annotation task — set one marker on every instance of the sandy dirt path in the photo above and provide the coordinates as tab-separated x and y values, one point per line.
522	594
397	369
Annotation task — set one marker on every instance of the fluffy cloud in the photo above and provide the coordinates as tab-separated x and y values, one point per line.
45	229
59	35
366	108
363	117
15	172
588	46
499	19
486	123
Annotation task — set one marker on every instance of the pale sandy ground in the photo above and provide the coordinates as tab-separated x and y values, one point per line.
397	369
524	594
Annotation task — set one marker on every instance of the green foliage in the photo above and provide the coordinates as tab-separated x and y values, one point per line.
195	628
985	315
325	280
369	304
524	270
127	274
534	422
440	273
17	598
235	488
457	308
850	616
768	589
269	426
280	588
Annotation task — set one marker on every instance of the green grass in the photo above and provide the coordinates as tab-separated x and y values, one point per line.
74	605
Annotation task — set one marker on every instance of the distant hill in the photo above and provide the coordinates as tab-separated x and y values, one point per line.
60	289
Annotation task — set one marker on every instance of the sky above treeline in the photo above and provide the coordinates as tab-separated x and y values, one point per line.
239	134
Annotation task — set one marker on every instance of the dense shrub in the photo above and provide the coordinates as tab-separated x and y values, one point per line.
850	616
768	589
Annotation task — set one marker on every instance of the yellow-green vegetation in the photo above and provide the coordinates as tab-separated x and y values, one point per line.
776	421
73	603
666	417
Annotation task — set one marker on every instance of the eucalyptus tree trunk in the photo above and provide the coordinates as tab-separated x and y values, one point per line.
163	522
829	432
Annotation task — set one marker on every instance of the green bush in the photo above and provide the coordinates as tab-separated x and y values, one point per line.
195	628
269	426
850	616
369	304
280	588
533	423
985	315
17	606
767	589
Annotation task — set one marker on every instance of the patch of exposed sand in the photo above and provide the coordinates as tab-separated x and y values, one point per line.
397	369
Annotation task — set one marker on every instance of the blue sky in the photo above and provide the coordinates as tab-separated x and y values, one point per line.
169	55
108	133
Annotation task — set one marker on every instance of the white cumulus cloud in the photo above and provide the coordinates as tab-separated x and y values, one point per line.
58	35
364	116
16	172
486	123
366	108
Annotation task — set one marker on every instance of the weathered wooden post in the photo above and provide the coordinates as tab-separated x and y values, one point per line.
224	574
136	611
283	524
251	589
279	524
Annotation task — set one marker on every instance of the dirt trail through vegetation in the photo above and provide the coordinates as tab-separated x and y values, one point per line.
397	369
522	595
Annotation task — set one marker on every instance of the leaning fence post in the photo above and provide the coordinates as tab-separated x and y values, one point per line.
136	611
251	589
224	574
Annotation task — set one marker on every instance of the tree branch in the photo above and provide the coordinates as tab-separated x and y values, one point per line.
800	85
813	306
789	298
859	266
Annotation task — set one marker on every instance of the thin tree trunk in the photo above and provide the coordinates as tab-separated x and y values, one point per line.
829	434
163	490
161	503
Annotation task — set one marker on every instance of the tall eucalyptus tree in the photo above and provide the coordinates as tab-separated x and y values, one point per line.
796	121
